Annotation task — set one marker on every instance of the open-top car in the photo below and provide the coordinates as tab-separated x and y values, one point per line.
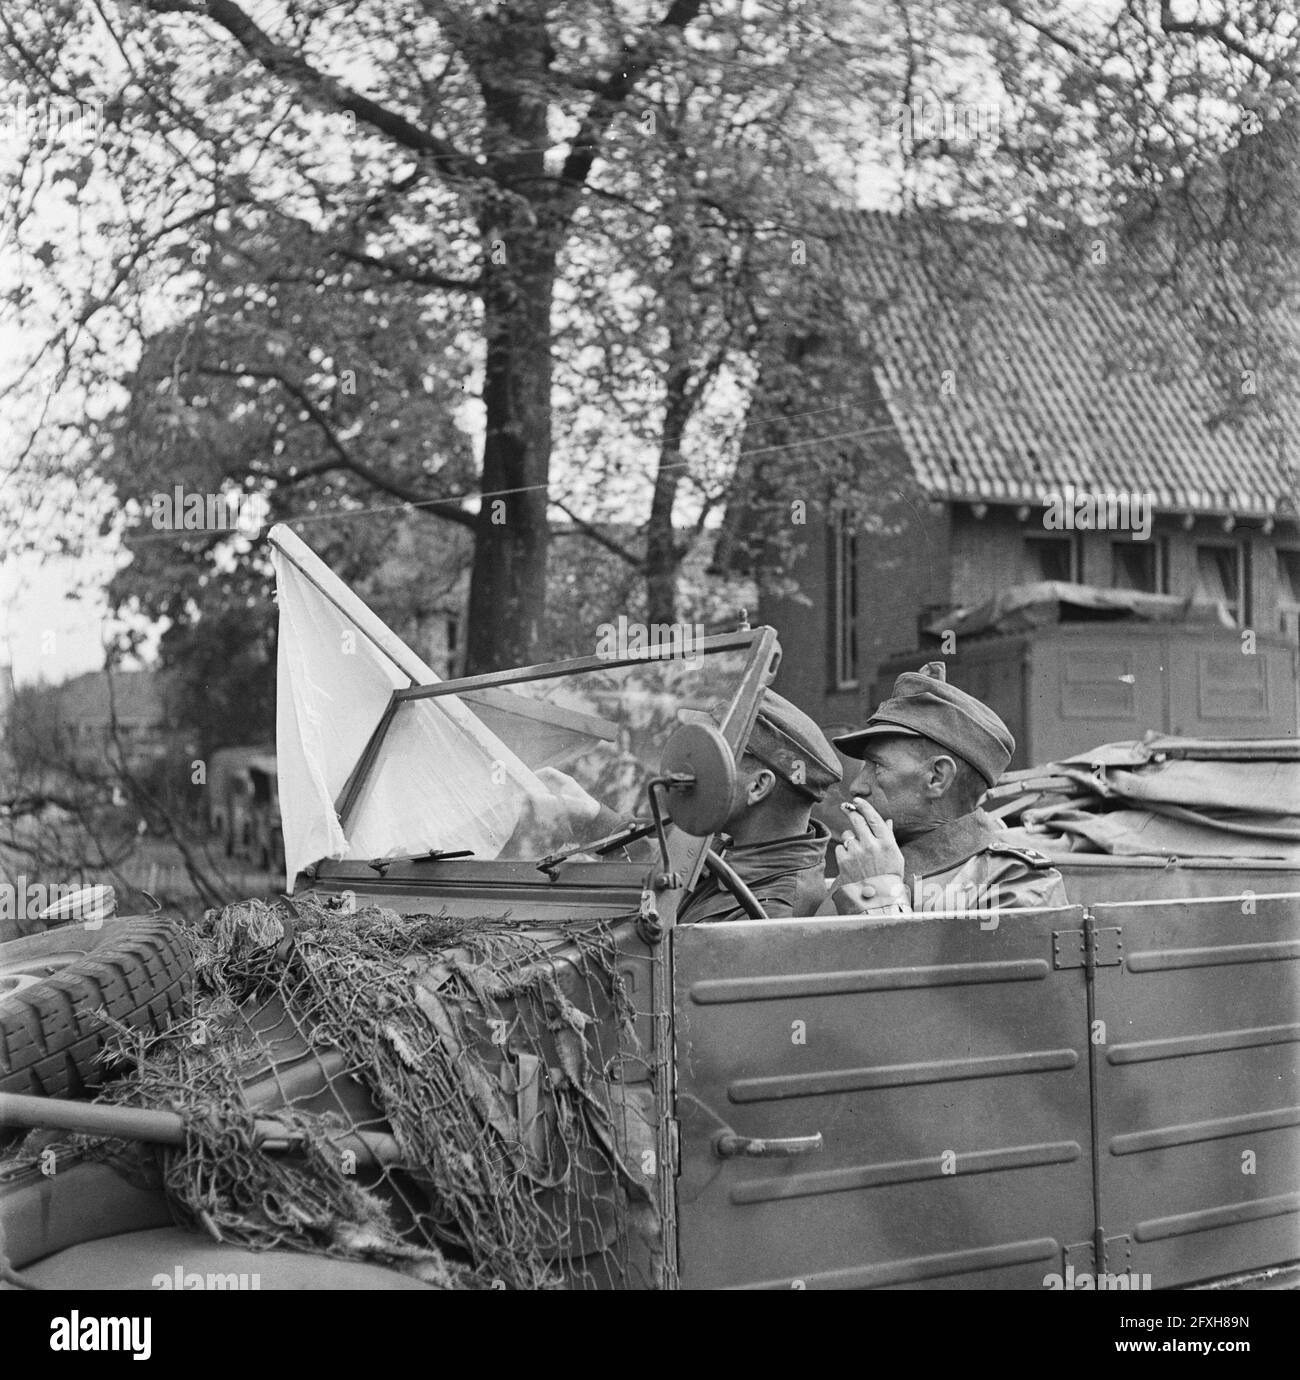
474	1046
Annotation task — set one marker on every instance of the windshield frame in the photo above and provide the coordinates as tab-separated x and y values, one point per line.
686	853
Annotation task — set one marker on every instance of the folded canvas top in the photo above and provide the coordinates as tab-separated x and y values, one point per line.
1022	607
1163	796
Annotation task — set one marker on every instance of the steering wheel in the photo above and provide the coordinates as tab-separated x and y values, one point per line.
730	878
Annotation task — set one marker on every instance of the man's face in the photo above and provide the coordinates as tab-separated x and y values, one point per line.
893	778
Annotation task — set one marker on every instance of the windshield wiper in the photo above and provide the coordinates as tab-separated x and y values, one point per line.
629	833
381	865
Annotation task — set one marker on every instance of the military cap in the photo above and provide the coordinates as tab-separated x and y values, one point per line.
787	741
925	705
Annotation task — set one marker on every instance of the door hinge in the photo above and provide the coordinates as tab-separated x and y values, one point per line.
1116	1251
1070	948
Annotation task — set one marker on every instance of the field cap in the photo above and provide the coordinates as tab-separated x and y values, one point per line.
787	741
925	705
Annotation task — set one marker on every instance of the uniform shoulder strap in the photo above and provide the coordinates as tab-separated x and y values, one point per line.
1031	856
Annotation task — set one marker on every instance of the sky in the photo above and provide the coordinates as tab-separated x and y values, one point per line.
49	629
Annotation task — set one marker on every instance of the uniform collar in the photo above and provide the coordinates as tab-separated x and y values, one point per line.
948	844
815	836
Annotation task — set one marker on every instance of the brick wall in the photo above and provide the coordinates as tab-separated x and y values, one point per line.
904	565
924	555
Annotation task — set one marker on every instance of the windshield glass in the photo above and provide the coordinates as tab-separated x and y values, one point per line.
523	770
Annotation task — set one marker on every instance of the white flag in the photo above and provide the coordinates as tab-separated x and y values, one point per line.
440	780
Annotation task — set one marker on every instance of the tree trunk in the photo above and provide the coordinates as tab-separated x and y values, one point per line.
507	596
663	554
521	229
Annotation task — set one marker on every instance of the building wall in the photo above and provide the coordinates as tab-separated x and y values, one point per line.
930	556
903	568
989	554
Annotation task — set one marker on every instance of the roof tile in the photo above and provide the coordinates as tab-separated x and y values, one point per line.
1051	384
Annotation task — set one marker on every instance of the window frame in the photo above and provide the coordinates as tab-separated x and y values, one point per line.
1285	603
1160	547
1076	552
842	576
1245	593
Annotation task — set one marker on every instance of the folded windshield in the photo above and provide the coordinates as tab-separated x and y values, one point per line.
520	771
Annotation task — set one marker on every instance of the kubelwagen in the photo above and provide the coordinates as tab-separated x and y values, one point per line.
941	1101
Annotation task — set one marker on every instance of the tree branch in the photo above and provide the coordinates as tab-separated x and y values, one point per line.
1067	45
637	58
319	87
589	529
421	277
346	459
1196	28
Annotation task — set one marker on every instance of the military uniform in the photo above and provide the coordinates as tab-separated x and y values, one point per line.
960	864
963	865
785	876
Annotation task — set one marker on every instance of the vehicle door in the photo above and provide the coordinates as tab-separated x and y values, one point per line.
1198	1085
868	1104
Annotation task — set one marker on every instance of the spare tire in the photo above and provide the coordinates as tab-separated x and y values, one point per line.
50	1029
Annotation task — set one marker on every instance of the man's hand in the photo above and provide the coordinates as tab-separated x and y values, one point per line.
557	812
567	801
868	849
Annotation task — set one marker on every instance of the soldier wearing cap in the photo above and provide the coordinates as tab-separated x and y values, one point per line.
770	840
917	839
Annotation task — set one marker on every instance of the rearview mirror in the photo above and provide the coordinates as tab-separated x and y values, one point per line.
699	772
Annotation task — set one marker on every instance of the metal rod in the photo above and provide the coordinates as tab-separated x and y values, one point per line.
168	1128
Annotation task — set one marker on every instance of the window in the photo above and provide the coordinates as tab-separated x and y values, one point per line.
449	654
1288	593
1051	558
1222	576
1138	565
844	604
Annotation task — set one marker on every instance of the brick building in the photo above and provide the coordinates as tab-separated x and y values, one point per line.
1001	387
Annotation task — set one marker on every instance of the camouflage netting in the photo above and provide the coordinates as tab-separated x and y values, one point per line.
486	1130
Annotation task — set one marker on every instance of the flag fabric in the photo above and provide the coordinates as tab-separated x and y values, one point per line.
440	779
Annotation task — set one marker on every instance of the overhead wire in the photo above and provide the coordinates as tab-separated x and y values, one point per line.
485	495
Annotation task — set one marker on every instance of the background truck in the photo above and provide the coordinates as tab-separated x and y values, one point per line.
244	805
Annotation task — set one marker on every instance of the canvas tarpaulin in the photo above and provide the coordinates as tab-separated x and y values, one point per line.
1021	608
441	779
1162	796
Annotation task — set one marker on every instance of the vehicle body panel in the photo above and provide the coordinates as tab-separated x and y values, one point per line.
1062	688
169	1258
1199	1086
1095	878
944	1064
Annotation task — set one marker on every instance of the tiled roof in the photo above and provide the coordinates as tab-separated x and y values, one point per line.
136	697
1049	381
